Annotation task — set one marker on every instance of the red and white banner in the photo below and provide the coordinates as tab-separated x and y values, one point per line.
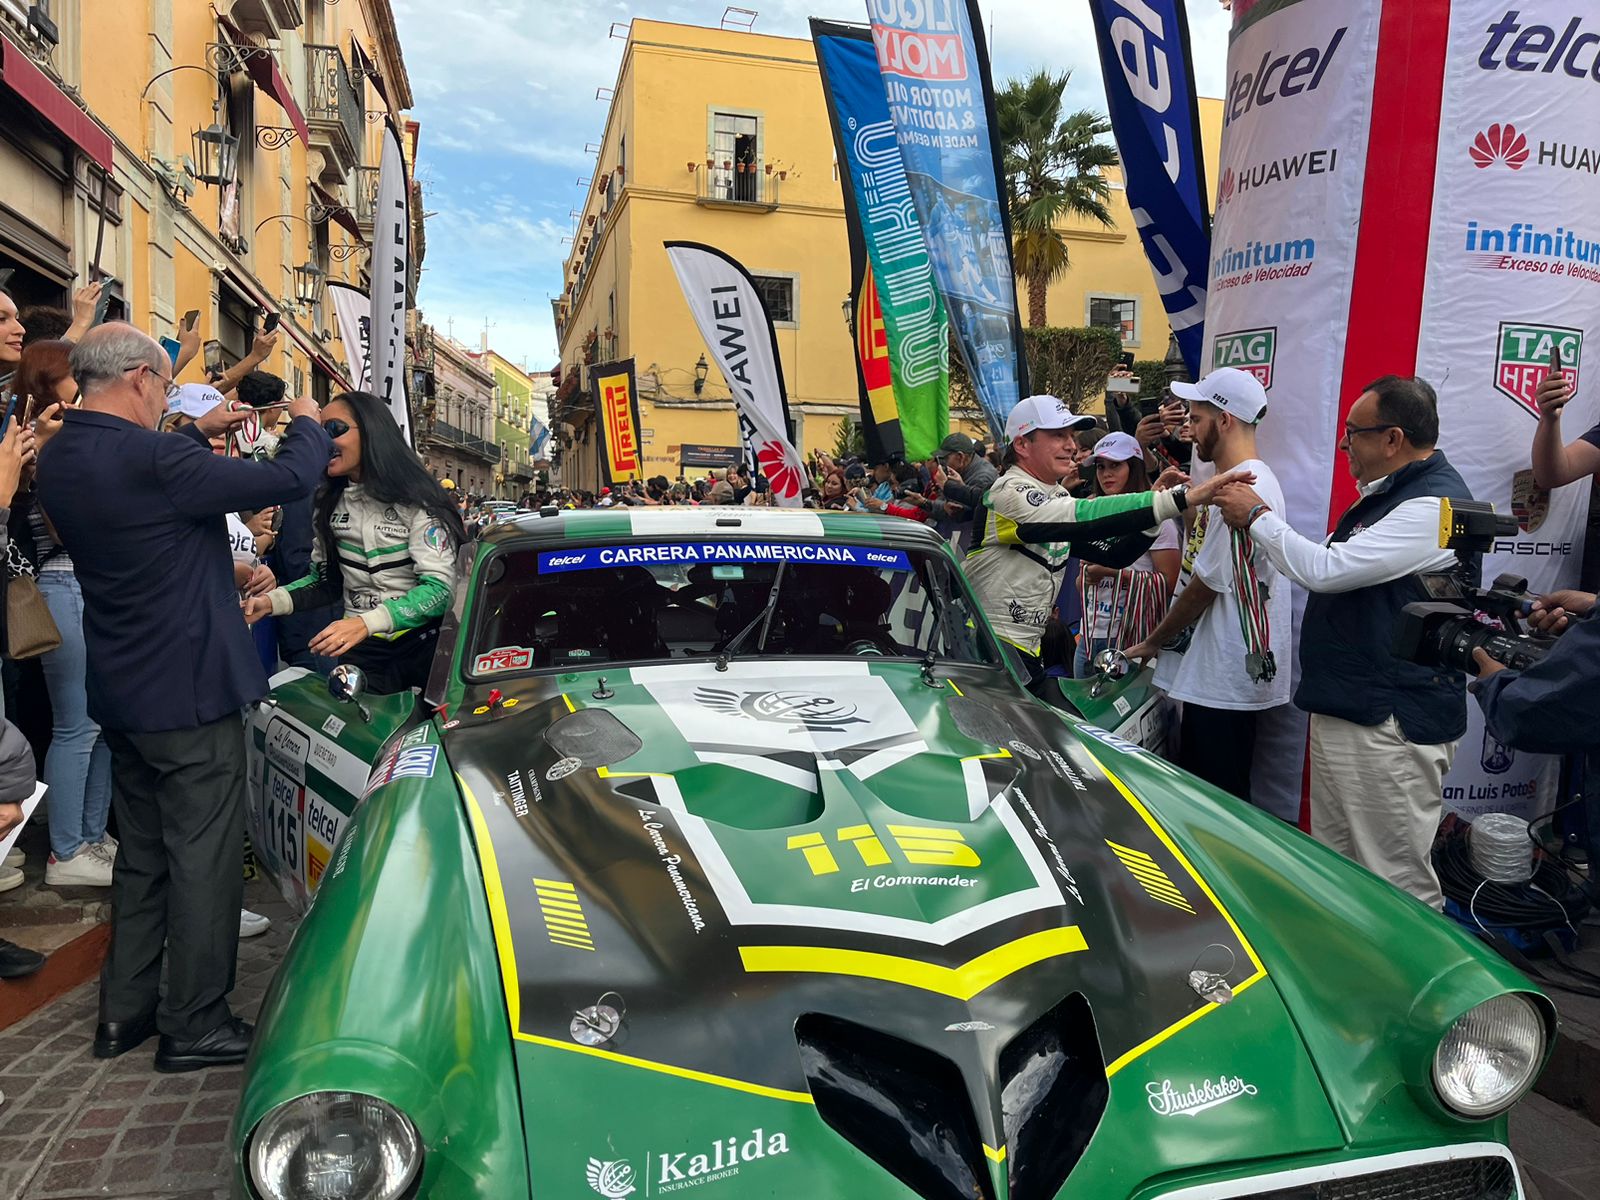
1402	190
1294	145
732	319
1514	271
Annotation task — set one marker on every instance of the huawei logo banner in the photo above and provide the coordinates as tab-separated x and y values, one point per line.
1499	144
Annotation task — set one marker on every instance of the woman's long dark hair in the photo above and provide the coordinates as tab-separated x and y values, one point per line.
391	473
1138	478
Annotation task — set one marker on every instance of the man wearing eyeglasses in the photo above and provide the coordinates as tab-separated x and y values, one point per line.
171	663
1383	731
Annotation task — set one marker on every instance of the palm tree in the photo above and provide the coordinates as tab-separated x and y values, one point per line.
1054	166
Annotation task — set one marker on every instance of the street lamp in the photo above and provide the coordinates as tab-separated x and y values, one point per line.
308	280
216	155
1177	371
848	307
700	369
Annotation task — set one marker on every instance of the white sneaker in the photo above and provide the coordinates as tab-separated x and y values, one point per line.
106	850
10	878
83	869
16	858
252	924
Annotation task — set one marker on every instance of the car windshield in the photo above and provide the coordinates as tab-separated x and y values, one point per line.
646	601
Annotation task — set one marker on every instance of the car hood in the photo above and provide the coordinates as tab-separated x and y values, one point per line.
778	881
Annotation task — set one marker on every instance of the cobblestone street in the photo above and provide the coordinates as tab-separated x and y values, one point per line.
76	1126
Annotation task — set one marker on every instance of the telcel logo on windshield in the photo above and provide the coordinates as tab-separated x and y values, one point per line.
1537	48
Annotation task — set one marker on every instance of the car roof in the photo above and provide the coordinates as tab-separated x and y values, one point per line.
672	522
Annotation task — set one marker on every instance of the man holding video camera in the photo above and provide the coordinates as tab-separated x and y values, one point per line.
1552	706
1383	730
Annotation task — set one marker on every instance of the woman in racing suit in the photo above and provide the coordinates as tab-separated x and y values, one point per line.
393	533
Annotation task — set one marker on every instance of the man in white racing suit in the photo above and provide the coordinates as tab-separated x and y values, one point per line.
1032	524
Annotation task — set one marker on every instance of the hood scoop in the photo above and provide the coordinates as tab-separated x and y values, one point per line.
910	1109
980	722
594	737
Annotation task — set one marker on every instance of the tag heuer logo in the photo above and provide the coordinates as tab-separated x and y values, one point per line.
1523	359
613	1180
1249	350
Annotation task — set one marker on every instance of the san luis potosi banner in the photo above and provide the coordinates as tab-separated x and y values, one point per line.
901	344
935	70
1149	73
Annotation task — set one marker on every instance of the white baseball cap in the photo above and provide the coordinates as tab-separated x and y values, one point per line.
1044	412
194	400
1237	393
1117	447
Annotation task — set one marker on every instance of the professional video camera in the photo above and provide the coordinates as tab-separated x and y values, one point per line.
1444	630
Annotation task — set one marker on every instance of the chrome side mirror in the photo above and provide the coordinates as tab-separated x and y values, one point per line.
1110	665
347	682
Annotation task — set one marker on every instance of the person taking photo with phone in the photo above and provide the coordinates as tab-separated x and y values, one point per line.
385	543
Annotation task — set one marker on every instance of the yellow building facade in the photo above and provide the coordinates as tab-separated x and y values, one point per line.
102	177
686	97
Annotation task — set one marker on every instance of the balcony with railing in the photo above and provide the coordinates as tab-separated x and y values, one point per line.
364	190
452	435
335	111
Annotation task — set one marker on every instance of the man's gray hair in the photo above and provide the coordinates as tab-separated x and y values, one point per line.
109	351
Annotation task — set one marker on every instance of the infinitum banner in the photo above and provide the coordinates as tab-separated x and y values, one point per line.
1402	191
1514	275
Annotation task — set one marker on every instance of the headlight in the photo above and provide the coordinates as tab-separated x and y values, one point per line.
334	1146
1488	1058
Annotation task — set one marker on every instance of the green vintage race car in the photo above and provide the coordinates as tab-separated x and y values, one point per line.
726	855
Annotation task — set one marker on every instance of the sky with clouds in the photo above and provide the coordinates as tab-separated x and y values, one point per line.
505	91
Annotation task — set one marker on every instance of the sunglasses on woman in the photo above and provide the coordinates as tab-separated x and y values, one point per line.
334	427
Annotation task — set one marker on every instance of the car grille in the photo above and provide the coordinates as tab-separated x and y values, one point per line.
1464	1179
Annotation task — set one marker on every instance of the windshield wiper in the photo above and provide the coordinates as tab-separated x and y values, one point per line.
763	619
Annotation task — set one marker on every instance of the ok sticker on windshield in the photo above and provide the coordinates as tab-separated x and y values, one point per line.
503	658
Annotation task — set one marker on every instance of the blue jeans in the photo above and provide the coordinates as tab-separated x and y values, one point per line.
1083	660
77	768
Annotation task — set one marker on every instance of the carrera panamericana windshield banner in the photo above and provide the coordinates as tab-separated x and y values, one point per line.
1513	274
616	400
391	276
352	308
737	329
935	70
901	344
1149	74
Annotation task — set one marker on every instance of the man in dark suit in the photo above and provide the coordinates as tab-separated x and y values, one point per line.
171	664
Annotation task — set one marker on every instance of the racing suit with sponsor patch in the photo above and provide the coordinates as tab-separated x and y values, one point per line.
395	567
1029	531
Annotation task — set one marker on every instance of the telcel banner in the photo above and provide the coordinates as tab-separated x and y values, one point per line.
617	403
935	71
1144	55
901	344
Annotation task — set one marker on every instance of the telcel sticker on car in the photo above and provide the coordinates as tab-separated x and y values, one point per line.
503	658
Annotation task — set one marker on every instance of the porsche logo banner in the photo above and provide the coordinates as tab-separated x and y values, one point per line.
616	400
738	332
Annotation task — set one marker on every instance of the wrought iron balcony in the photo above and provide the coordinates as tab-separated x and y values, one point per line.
334	111
364	190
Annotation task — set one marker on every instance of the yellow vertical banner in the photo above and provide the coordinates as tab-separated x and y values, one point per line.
616	402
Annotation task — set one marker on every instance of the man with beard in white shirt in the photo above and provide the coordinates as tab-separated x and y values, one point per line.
1224	646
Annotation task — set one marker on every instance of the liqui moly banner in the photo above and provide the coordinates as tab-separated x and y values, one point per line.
737	330
391	274
1297	109
935	70
1144	55
1513	274
902	347
352	309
